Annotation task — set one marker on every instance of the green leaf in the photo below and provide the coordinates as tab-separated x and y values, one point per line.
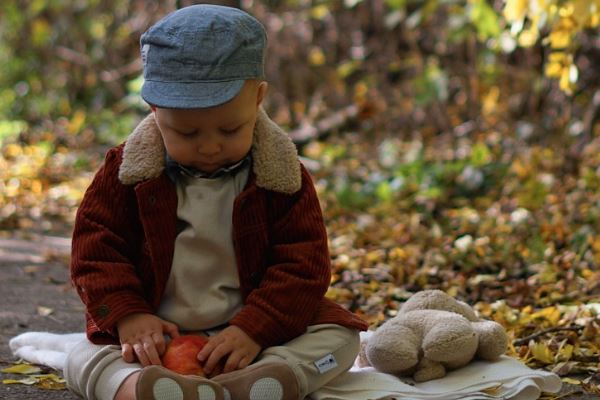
480	155
396	4
485	19
384	191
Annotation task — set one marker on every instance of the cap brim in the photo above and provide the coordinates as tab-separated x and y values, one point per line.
190	94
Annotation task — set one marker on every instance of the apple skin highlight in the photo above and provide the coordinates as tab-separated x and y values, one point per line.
181	355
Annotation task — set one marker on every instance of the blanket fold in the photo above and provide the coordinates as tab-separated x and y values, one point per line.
506	378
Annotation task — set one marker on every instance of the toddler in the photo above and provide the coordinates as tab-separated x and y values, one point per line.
205	221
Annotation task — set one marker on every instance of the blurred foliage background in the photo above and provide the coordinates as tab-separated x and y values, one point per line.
433	120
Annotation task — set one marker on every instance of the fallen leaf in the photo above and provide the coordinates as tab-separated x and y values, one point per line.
23	369
43	381
542	352
44	311
25	381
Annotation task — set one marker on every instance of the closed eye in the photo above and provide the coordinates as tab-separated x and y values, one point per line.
231	131
190	133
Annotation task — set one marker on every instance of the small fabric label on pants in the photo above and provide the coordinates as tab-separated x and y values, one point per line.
326	363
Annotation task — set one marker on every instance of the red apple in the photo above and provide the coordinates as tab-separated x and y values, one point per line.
181	355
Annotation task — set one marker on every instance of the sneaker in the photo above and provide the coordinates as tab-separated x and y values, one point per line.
269	381
158	383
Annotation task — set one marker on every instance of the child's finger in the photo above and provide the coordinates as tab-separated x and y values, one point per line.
215	356
244	362
208	348
151	352
233	362
141	354
127	353
159	342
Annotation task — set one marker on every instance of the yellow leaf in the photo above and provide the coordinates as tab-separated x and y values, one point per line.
521	169
346	68
50	382
560	39
551	314
40	32
50	385
76	122
554	70
50	377
13	150
565	83
36	186
43	381
571	381
24	369
529	37
319	12
25	381
316	56
582	11
566	352
562	33
542	353
515	10
490	101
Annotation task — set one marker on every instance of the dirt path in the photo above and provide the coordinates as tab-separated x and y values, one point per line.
33	274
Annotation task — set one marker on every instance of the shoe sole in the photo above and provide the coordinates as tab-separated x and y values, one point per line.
273	381
158	383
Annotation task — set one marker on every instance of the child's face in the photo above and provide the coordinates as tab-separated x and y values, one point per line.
210	138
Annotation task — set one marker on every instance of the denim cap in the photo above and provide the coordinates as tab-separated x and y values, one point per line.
200	56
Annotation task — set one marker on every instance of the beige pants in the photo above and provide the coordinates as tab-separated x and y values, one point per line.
316	357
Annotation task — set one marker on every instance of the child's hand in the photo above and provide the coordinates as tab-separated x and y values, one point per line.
232	344
142	337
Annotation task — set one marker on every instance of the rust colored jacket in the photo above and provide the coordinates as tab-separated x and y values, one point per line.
126	226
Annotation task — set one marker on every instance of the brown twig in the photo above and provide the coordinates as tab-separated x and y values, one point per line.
522	341
580	295
73	56
309	132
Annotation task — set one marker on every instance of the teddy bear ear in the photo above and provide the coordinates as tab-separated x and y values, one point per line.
493	340
438	300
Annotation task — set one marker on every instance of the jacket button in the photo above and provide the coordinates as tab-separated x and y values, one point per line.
103	310
152	200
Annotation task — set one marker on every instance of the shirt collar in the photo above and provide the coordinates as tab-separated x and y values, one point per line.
174	169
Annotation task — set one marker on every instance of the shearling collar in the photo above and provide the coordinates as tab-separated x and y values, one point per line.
274	155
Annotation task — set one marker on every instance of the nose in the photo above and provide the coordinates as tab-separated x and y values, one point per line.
209	147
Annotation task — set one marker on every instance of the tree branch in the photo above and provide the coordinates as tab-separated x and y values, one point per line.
307	132
526	339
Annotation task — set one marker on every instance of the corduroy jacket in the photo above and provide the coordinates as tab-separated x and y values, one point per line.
126	225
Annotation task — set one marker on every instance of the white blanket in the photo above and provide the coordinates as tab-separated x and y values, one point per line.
503	379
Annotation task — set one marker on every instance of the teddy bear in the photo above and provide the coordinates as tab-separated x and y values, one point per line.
432	334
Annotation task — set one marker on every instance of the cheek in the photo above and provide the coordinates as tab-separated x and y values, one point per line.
245	143
177	149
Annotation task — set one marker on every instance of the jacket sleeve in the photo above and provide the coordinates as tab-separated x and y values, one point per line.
104	248
298	272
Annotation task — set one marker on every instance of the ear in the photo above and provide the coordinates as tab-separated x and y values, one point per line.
153	108
261	92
